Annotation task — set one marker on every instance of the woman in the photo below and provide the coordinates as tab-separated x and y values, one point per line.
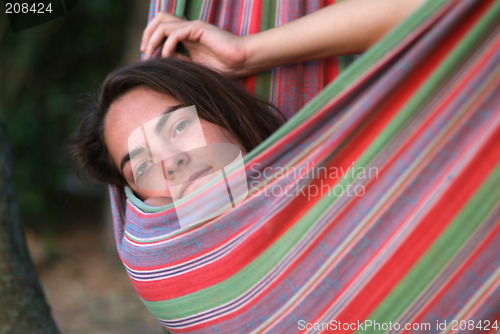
144	93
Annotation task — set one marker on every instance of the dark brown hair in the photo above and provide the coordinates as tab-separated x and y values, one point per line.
218	100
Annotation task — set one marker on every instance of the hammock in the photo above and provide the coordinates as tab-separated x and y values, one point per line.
376	208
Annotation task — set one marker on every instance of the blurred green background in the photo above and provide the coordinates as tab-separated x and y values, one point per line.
47	74
45	70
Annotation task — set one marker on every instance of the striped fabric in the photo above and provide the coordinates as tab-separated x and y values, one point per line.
376	208
287	87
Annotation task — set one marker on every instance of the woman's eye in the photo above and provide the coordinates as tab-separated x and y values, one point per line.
142	168
180	127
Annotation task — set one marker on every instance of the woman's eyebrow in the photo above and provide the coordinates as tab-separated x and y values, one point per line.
163	119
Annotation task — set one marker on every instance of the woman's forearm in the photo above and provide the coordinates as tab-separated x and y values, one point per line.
347	27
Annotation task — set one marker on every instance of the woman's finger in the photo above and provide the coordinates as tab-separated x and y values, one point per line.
150	28
162	31
171	43
189	32
153	25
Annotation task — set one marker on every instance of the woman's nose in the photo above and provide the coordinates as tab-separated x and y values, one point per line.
173	164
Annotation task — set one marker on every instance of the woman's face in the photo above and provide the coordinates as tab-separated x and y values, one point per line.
160	146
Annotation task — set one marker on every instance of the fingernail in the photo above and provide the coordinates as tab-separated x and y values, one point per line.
142	46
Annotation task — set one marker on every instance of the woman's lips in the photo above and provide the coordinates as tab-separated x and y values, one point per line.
191	185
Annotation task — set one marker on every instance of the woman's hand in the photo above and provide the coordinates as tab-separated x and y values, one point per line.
207	44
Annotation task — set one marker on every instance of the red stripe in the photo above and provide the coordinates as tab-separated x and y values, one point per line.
250	83
255	17
331	66
241	15
331	70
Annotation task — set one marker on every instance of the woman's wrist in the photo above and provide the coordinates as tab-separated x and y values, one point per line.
255	60
260	54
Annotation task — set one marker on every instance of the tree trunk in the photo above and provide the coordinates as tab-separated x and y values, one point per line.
23	308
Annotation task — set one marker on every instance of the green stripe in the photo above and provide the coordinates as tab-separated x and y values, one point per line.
193	9
180	8
268	21
441	253
344	62
263	85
